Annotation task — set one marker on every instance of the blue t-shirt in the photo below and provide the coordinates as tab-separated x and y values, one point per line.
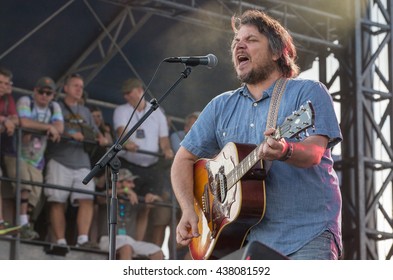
301	203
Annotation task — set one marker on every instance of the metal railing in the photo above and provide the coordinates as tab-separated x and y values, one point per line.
18	182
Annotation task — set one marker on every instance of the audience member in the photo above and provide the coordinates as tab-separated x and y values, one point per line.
151	136
127	247
8	122
68	165
160	216
182	252
178	136
39	113
105	129
100	178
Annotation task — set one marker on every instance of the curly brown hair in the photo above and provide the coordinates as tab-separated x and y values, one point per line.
280	41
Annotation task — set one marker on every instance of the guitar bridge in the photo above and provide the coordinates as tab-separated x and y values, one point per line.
206	203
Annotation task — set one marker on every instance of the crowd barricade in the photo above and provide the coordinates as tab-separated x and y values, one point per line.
16	240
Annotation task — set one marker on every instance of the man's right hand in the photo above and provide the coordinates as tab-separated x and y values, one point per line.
53	133
9	126
187	228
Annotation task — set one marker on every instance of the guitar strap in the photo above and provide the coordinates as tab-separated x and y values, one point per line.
278	91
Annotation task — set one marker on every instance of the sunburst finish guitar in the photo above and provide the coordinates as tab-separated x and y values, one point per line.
229	191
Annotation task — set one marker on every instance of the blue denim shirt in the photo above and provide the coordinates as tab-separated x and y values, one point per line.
301	203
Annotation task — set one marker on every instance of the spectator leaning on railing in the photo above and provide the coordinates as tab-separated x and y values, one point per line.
8	122
42	114
68	164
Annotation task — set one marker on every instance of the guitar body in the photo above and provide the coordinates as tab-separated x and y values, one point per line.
229	191
226	212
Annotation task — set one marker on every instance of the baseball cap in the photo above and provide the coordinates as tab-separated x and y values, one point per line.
125	174
46	82
130	84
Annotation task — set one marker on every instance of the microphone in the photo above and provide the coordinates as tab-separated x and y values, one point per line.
209	60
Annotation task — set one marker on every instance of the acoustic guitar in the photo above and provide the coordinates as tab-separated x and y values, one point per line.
229	191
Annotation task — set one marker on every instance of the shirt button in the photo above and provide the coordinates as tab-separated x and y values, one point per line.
252	125
255	104
224	134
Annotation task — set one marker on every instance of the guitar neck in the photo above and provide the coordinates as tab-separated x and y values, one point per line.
292	126
242	168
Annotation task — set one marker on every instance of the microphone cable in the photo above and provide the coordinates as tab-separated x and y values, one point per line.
139	102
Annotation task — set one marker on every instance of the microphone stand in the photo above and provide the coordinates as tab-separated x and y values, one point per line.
112	152
115	167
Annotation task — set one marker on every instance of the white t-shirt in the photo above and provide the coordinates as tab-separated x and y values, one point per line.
146	136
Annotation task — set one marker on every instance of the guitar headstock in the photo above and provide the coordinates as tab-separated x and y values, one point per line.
297	122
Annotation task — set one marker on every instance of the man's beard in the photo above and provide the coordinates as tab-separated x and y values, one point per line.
257	75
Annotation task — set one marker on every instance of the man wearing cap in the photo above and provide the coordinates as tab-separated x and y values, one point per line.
127	247
42	115
151	136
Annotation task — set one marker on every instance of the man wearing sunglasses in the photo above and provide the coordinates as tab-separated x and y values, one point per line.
42	119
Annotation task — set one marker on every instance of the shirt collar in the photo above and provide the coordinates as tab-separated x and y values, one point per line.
266	93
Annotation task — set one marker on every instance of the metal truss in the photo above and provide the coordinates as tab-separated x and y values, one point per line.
311	27
366	80
301	20
107	44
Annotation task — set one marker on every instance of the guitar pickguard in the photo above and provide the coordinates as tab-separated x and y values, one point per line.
216	204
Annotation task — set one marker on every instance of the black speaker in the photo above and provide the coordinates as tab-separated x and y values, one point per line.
255	251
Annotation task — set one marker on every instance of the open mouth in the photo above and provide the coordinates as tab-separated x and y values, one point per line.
242	59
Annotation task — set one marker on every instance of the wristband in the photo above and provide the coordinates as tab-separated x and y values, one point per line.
289	152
